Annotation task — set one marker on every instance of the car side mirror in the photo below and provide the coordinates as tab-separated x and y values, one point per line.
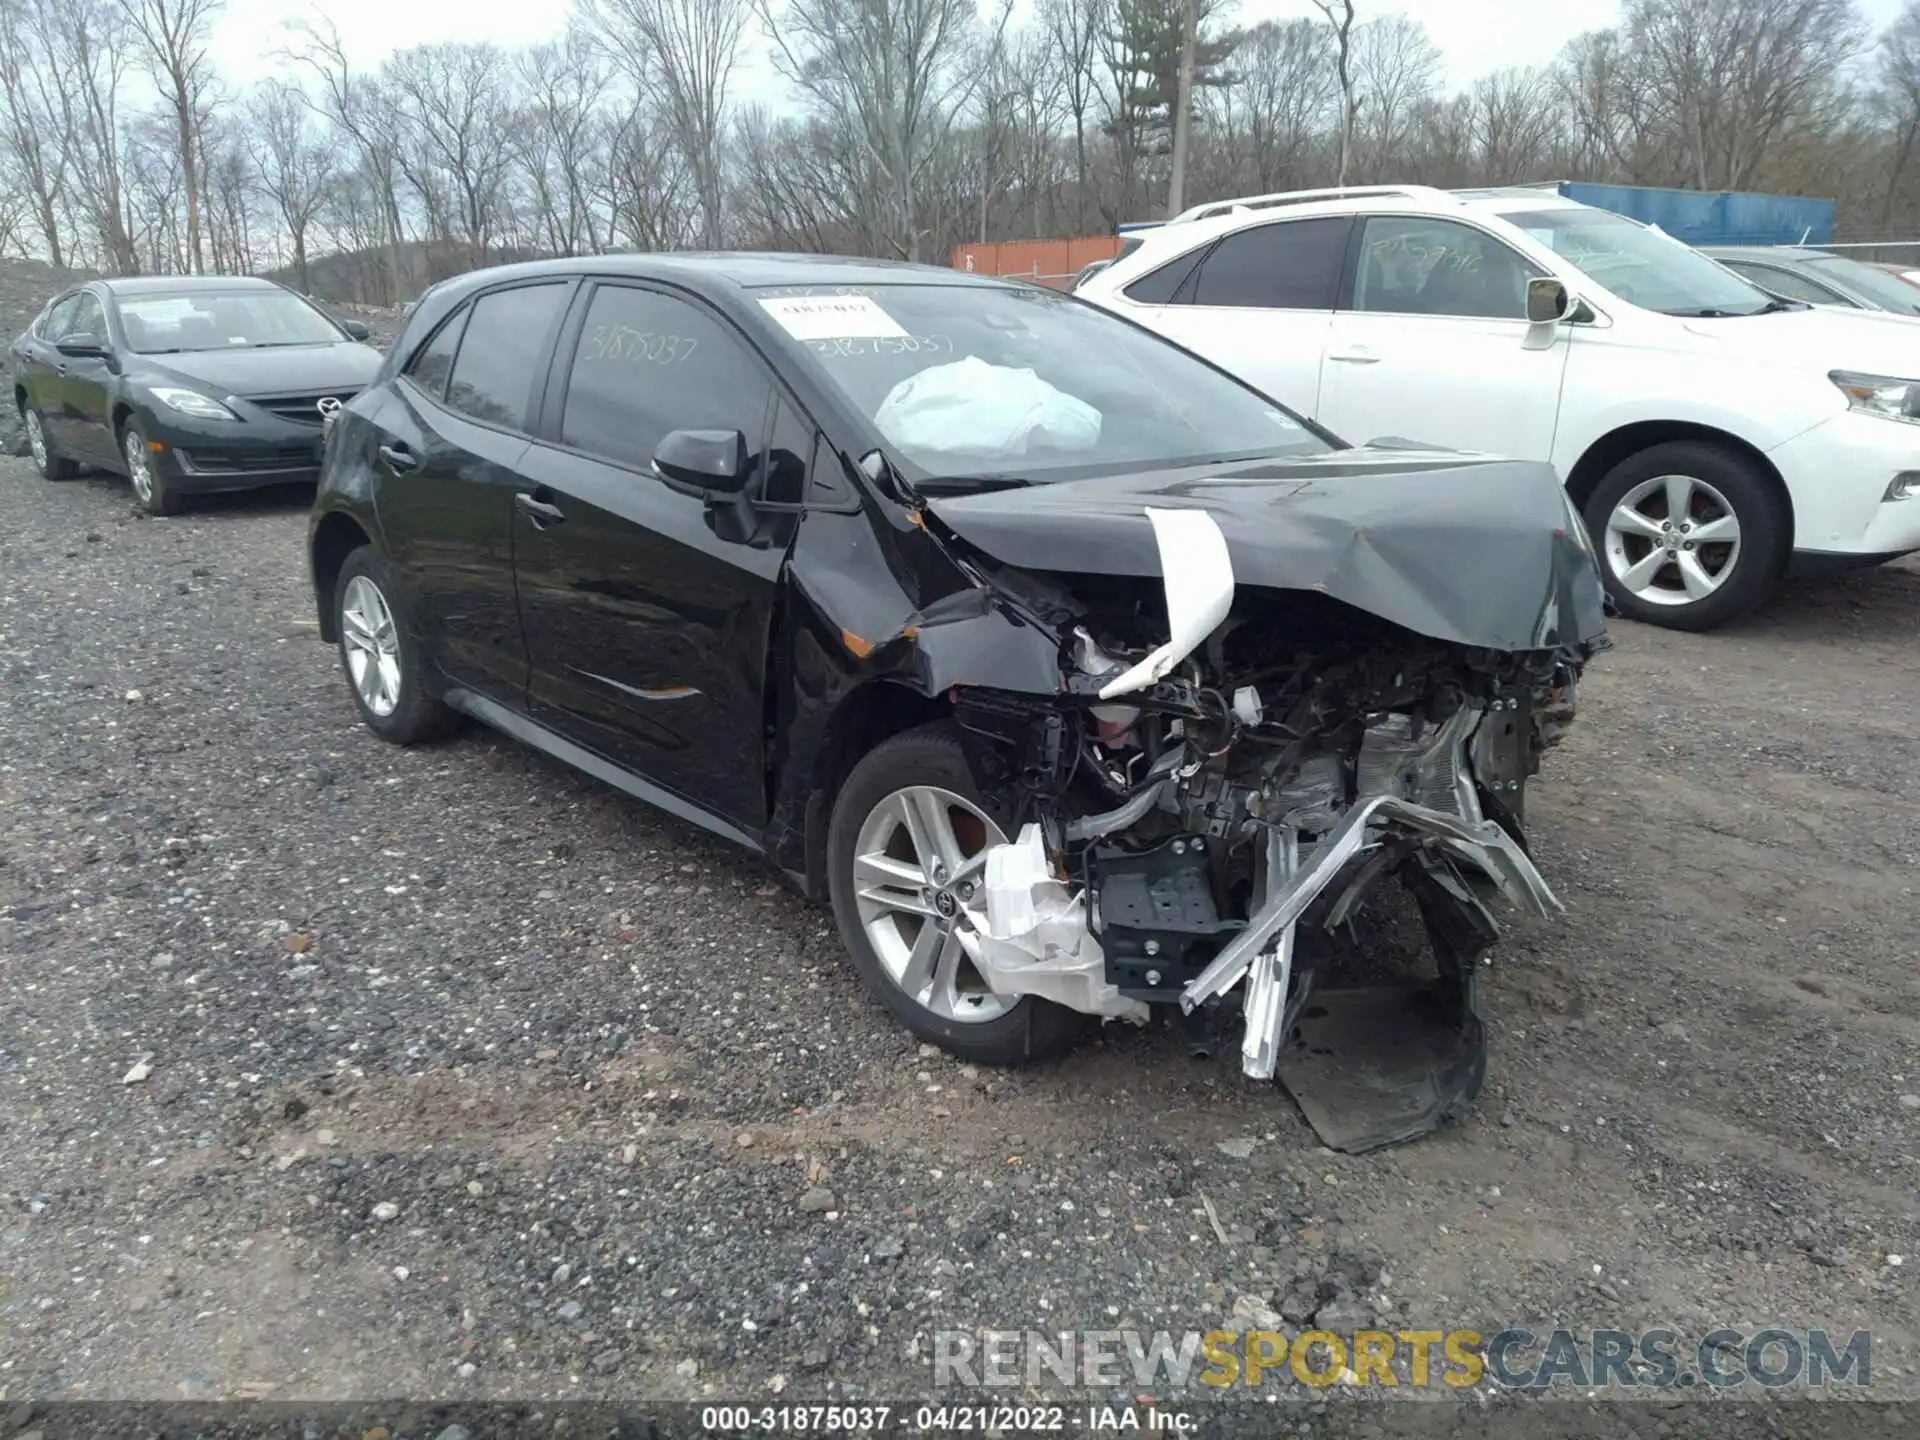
1548	302
356	330
714	461
84	346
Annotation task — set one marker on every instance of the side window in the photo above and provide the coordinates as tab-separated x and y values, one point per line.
493	374
1411	265
1158	287
59	318
647	363
433	362
788	452
1289	265
87	318
1785	282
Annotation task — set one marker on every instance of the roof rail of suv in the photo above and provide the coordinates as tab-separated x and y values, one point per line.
1308	197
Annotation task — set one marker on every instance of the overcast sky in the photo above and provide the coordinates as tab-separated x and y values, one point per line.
1475	35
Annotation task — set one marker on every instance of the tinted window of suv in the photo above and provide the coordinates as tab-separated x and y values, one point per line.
647	363
493	376
1290	265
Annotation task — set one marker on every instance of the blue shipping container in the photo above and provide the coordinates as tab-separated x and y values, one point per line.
1723	218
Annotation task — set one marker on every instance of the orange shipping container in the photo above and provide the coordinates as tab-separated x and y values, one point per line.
1051	262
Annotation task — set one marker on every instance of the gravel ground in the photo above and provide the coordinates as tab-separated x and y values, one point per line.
335	1070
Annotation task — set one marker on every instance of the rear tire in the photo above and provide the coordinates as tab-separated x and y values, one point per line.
52	466
1693	568
928	762
380	658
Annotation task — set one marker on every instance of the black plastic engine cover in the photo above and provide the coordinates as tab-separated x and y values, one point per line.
1157	915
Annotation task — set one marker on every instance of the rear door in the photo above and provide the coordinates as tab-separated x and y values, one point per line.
647	610
1430	347
43	376
448	438
1259	303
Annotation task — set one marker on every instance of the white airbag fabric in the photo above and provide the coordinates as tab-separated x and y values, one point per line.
970	407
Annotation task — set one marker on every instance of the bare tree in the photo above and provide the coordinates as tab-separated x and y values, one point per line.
173	35
356	106
899	76
683	52
559	145
456	95
1897	95
296	167
1073	29
32	114
1339	15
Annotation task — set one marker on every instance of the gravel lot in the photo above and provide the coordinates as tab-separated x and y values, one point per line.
329	1069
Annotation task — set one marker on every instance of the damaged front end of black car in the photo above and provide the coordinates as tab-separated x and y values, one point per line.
1250	744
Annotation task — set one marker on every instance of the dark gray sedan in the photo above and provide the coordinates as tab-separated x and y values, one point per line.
1819	277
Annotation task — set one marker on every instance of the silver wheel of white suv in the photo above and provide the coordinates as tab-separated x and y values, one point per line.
1672	540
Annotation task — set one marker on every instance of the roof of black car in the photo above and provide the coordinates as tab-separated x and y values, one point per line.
184	284
745	269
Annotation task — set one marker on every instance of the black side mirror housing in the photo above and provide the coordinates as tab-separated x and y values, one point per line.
356	330
84	346
711	461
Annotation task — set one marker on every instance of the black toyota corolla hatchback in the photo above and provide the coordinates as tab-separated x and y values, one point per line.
185	385
1085	682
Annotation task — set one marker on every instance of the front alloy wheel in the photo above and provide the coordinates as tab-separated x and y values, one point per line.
1673	540
150	487
1690	533
906	861
918	866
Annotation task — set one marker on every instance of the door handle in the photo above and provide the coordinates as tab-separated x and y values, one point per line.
1358	355
538	511
399	458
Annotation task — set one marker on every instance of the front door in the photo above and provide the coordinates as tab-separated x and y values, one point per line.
86	421
1259	305
448	440
1431	347
648	611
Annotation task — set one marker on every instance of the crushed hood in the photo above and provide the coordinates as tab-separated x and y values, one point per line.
1459	548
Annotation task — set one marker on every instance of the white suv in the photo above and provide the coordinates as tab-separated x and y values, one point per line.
1715	438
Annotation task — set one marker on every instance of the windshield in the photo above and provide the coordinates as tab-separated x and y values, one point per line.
1642	266
1883	287
978	382
222	320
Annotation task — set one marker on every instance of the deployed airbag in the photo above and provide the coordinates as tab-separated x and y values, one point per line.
970	407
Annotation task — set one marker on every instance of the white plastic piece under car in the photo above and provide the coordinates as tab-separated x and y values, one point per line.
1036	940
1198	574
970	407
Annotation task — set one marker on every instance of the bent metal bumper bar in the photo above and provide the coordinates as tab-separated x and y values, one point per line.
1292	888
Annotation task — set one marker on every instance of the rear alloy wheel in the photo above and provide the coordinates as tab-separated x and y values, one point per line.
150	488
1689	535
379	656
906	855
52	466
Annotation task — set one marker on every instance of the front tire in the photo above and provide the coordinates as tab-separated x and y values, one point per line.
381	660
1689	535
906	849
152	491
51	466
